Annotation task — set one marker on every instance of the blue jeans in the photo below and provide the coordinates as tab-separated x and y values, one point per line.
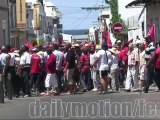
84	77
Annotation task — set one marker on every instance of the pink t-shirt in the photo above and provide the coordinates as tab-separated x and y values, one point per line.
35	63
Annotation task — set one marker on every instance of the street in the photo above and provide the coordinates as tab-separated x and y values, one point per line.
90	105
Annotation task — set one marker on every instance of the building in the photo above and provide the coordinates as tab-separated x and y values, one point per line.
36	21
134	19
53	17
152	9
4	20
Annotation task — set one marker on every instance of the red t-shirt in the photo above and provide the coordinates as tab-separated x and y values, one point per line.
123	56
35	63
51	64
85	62
157	54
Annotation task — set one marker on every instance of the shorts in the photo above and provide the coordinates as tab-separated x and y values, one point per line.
51	81
103	74
141	73
70	79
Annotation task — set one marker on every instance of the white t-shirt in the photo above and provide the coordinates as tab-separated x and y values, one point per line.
105	60
3	59
59	59
92	59
25	58
115	61
12	59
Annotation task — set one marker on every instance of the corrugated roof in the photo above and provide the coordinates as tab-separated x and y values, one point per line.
138	3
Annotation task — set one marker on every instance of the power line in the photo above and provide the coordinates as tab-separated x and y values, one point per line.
82	20
85	17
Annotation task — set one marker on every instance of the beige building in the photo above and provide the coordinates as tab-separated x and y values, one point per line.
4	36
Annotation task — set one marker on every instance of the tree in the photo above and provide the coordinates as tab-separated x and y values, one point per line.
116	17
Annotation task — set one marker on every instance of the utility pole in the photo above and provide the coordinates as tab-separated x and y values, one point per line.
101	21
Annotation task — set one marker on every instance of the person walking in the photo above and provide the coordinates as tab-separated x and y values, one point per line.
150	67
84	69
35	71
115	69
93	69
59	65
70	68
51	78
131	71
25	61
4	65
103	61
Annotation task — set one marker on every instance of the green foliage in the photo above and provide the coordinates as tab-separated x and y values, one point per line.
116	17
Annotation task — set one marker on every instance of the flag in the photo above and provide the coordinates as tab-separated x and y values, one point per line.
28	44
151	32
109	40
106	37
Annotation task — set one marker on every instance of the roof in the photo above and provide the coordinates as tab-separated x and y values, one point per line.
139	3
136	3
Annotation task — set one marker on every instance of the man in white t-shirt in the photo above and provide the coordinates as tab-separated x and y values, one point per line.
103	61
4	62
59	64
93	69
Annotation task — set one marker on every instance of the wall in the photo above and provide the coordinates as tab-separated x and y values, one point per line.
153	17
127	12
3	20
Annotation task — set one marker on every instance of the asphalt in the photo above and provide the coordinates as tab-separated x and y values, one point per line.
89	105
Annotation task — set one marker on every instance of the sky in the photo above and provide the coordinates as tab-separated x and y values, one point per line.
73	17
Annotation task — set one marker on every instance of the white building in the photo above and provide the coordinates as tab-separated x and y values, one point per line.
53	17
67	38
135	19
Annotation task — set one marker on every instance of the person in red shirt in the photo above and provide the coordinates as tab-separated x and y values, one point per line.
84	69
51	79
35	70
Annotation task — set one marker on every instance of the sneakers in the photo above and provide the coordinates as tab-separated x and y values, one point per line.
94	90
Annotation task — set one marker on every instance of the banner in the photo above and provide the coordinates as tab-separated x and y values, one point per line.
21	14
151	32
106	37
36	17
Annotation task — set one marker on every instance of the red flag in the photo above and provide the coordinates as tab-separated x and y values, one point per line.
109	42
106	36
151	32
28	44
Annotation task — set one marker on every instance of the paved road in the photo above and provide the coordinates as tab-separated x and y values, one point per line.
89	105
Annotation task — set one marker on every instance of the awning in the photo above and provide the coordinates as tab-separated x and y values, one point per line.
140	3
137	3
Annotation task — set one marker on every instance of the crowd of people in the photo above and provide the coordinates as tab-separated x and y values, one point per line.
83	67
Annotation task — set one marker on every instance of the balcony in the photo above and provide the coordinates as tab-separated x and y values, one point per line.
56	14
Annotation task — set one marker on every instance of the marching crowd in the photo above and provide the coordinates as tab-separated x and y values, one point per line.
77	67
